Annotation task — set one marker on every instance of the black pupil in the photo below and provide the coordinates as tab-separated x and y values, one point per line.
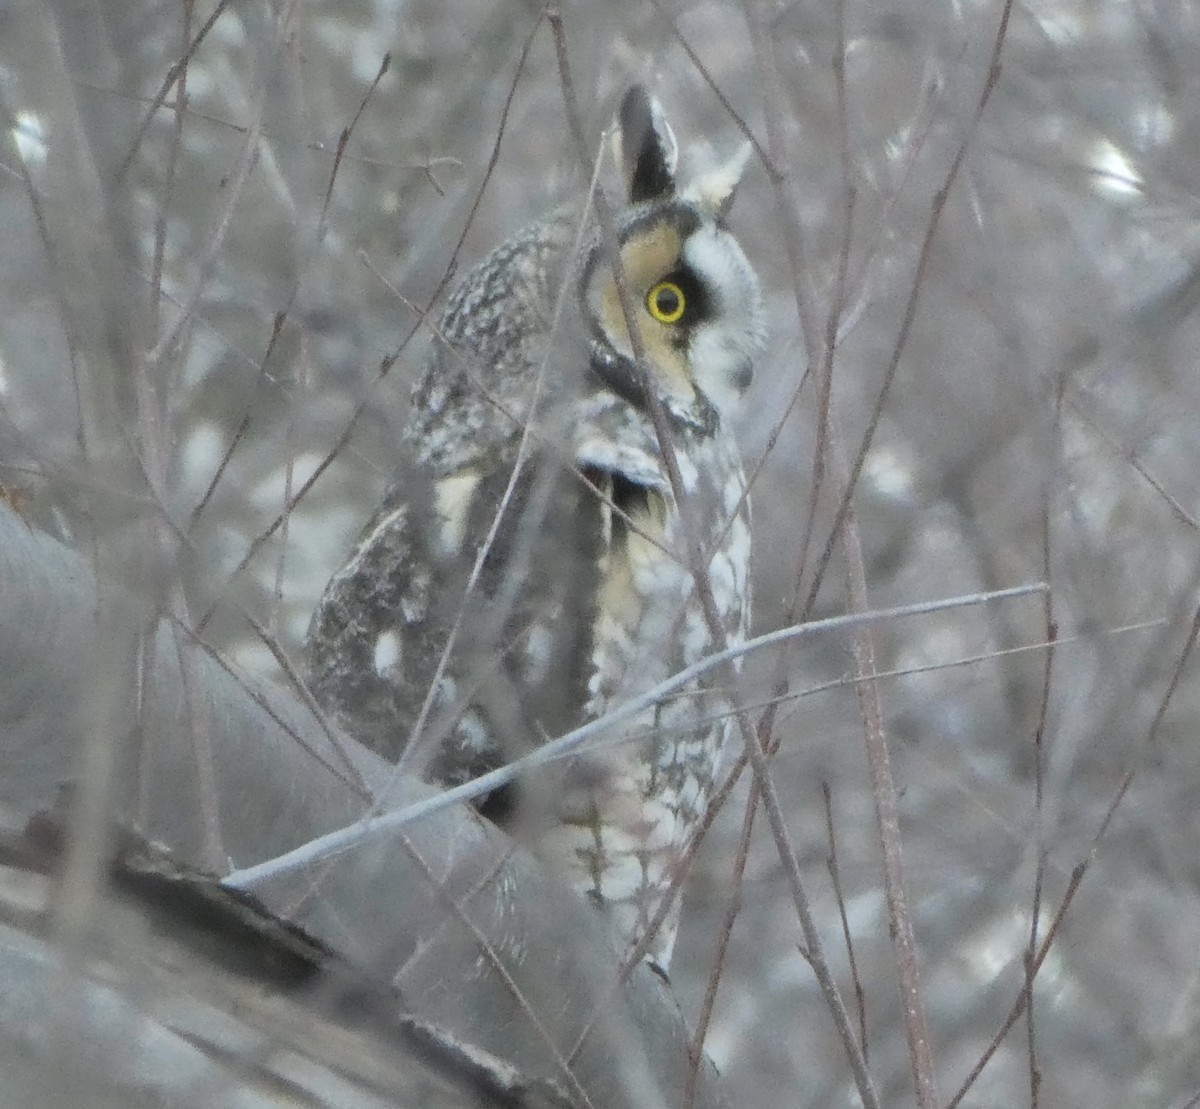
667	301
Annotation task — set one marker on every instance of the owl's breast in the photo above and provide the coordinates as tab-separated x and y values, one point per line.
627	806
648	621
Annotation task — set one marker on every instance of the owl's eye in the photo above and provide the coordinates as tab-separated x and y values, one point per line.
666	302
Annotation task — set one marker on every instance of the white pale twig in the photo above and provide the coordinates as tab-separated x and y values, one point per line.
375	824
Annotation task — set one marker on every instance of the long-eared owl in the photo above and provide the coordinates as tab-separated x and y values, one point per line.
531	571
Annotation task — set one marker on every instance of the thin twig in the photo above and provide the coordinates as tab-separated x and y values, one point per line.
1081	868
458	911
1039	797
352	781
835	877
173	74
703	590
1080	405
733	906
385	366
166	194
238	178
364	830
887	814
343	141
271	642
240	431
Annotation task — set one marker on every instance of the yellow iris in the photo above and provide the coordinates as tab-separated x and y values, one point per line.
666	302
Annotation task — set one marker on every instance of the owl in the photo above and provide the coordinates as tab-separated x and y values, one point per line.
530	571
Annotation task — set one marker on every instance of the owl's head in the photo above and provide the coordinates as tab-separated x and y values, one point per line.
695	296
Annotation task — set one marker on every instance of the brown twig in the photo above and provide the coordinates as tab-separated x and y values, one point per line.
350	773
1081	868
343	141
239	433
174	73
386	364
835	877
1039	733
351	780
733	906
750	741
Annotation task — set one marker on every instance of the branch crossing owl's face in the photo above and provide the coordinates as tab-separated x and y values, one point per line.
696	299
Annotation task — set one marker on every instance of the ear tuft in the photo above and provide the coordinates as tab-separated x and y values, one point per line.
646	146
713	189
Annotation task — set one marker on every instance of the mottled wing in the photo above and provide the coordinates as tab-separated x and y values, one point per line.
496	363
517	669
373	642
376	642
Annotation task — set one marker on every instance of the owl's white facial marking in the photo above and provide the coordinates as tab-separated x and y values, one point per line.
724	346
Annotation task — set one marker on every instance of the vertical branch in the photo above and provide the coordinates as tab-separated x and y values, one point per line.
153	367
733	906
835	877
887	817
1035	911
1079	872
167	190
57	44
750	741
845	532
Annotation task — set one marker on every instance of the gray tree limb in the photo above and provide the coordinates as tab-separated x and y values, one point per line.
475	937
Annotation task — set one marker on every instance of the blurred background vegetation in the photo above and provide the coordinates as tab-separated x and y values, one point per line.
264	321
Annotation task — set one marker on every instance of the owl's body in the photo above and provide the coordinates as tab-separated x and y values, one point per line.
532	443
